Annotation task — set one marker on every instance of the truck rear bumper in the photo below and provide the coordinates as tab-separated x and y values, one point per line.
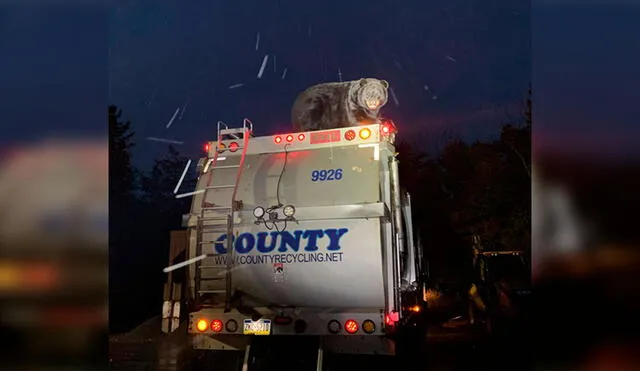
353	331
294	321
370	344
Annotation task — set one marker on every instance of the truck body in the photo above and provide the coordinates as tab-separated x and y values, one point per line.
321	241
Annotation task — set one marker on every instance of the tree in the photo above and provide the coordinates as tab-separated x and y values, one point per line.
160	213
121	170
123	207
159	183
121	179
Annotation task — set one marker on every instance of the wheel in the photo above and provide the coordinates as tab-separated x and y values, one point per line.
204	360
410	342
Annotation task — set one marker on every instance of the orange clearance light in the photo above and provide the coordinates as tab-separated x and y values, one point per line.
351	326
415	308
368	326
221	147
289	138
301	137
278	139
233	146
365	133
202	325
216	325
350	135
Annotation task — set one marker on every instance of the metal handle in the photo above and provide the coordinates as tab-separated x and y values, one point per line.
247	123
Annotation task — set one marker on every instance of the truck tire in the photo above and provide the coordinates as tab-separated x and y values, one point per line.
206	360
410	344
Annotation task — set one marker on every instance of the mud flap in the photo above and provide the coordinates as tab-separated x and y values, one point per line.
299	353
166	316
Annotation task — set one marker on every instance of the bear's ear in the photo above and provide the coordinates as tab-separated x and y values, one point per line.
385	83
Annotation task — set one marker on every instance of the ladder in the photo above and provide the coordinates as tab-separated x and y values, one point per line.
220	218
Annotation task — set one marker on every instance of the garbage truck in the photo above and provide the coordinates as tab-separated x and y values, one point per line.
302	235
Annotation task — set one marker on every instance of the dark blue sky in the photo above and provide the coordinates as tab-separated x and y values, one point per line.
585	77
53	70
55	66
474	57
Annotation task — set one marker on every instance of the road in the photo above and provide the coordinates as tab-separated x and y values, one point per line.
145	349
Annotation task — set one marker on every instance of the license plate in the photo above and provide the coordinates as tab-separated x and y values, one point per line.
259	327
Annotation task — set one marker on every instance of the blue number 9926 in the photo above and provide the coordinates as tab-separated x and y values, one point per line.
326	175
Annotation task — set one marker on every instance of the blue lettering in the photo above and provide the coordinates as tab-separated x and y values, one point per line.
244	243
312	236
262	242
220	245
291	240
334	237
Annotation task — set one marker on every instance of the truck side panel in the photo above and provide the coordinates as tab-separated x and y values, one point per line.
311	264
321	177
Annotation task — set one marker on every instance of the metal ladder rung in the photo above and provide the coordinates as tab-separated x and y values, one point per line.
221	186
214	228
217	208
227	227
219	218
233	131
224	167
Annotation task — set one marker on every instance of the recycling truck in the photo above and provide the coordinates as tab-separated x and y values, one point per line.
302	235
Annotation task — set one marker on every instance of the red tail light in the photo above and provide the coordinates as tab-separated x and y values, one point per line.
387	320
289	138
233	146
350	135
281	320
387	128
278	139
351	326
216	325
301	137
206	147
391	318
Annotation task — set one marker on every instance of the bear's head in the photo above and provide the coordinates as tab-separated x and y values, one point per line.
372	94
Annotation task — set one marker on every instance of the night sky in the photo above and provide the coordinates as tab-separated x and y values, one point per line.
458	65
55	67
53	71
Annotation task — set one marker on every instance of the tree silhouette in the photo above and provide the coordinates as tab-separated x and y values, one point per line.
481	188
123	208
143	211
121	180
159	183
121	170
